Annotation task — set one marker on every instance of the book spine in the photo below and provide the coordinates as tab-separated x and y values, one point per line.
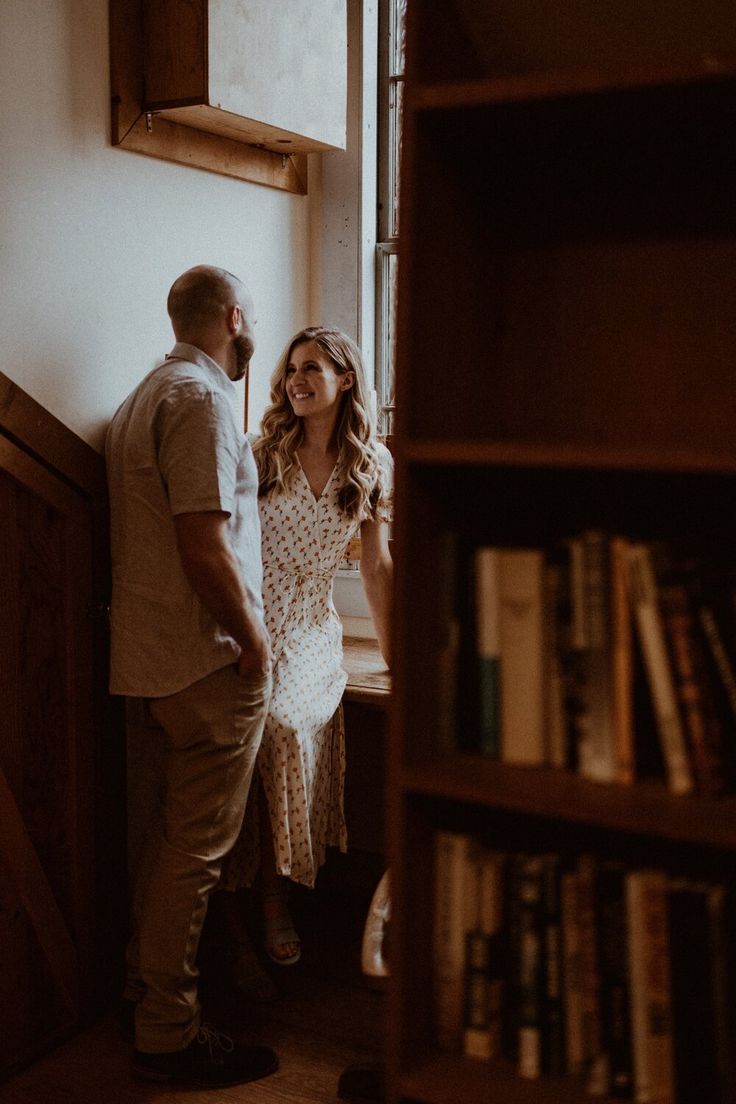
594	1065
614	978
649	971
493	921
621	663
511	979
555	618
484	955
694	690
721	657
488	649
529	886
445	686
571	975
522	633
596	752
451	850
553	1031
721	952
572	637
699	1005
658	669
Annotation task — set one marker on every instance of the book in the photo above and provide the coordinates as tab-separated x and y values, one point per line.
488	648
594	1071
648	620
528	888
522	643
557	620
571	974
451	851
484	953
622	677
511	978
570	643
695	690
595	754
445	686
553	1027
649	978
698	972
711	591
614	978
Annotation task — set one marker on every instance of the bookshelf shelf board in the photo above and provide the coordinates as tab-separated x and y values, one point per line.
557	85
570	455
448	1078
645	807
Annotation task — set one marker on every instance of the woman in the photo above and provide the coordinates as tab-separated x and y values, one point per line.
323	479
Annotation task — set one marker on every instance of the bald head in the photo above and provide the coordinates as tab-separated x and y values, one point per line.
199	300
212	309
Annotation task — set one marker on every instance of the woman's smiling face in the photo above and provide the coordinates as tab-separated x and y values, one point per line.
312	383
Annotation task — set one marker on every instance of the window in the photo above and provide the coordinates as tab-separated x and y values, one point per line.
392	44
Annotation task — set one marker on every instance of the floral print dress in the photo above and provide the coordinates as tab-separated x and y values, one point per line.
301	761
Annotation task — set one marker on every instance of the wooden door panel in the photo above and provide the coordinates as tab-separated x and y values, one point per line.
32	1004
49	754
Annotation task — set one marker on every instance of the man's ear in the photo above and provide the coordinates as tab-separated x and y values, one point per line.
234	317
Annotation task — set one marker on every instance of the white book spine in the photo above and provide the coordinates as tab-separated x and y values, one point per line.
659	673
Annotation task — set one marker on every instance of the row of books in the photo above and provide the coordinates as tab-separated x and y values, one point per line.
584	967
603	655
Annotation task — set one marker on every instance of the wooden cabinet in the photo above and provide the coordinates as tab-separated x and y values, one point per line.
269	75
567	341
244	90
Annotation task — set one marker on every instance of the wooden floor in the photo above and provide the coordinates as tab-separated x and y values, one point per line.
327	1018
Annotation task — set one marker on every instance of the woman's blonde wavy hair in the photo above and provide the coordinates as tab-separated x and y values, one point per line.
282	432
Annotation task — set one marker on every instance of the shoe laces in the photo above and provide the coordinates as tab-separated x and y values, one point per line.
214	1040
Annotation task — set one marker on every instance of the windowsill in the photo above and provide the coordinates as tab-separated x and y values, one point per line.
369	679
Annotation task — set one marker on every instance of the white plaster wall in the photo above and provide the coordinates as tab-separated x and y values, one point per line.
91	237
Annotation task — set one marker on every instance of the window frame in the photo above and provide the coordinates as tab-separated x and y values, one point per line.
391	76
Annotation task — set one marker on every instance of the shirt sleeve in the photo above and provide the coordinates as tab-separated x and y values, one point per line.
199	449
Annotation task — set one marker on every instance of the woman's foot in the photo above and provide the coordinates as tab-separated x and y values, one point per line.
281	941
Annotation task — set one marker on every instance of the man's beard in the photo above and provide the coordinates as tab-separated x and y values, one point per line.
243	352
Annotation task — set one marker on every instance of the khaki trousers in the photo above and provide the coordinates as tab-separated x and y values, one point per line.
205	747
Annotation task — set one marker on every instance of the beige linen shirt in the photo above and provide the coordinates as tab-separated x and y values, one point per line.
173	447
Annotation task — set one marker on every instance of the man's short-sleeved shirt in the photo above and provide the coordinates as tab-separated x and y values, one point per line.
175	447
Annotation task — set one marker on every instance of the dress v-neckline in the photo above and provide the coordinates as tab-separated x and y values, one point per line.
315	496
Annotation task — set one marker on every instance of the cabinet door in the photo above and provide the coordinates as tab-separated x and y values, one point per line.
50	693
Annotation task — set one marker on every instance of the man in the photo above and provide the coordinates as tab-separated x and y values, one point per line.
188	637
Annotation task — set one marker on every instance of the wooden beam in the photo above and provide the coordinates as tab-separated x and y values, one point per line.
37	431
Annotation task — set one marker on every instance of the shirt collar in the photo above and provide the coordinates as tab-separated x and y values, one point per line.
183	351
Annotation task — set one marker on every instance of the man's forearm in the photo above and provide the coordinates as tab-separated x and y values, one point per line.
215	579
214	574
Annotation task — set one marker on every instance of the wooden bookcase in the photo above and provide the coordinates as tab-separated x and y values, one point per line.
567	349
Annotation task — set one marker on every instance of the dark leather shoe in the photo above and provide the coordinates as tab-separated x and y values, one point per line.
212	1060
